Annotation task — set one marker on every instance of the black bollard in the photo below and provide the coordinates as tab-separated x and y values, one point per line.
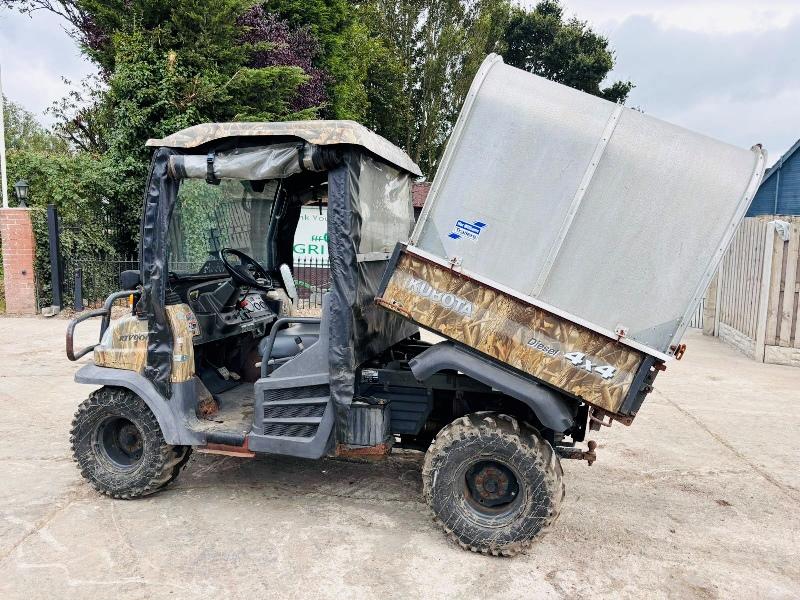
78	289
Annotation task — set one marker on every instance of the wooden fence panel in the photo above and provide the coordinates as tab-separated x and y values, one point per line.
774	306
759	290
796	294
788	285
741	279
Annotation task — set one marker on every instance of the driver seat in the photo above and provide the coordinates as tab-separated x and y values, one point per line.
285	340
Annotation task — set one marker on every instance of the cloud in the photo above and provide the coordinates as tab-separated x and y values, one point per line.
708	16
741	87
34	55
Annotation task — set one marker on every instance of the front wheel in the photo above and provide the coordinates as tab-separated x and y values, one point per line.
492	483
119	448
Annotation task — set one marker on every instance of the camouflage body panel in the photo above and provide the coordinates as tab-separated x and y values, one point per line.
563	354
321	133
184	328
124	344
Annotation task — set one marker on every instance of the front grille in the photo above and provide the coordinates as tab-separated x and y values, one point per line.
295	393
290	411
304	430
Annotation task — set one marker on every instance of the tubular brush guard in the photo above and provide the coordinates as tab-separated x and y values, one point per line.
104	312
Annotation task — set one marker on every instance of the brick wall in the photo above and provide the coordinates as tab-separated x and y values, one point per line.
18	256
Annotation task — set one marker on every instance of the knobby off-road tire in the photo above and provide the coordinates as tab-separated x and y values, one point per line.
493	484
119	448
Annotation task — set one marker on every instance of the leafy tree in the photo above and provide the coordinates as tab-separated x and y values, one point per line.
344	49
165	66
56	175
434	47
388	98
23	131
403	67
194	26
276	43
430	50
153	94
83	116
567	51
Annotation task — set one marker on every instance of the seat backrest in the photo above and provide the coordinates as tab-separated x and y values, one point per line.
313	360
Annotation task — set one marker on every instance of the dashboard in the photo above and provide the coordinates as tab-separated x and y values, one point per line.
224	309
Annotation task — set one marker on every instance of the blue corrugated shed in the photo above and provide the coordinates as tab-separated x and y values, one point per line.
779	193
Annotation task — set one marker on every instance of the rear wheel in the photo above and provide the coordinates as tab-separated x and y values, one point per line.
119	448
493	484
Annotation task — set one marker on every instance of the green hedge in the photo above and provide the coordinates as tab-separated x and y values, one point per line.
75	184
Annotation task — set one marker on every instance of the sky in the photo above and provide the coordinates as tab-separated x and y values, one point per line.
35	53
729	69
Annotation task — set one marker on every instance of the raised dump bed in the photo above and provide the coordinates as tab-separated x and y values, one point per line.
569	237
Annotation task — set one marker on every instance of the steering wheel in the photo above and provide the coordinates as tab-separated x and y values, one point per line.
241	273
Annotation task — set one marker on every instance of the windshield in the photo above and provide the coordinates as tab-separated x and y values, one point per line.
210	217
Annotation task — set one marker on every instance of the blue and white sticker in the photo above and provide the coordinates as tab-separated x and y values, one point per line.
467	230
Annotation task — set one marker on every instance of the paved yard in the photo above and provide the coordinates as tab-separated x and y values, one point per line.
698	499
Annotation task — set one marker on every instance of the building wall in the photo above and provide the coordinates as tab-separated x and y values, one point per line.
786	181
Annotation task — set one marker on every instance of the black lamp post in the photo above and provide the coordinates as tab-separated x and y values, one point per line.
21	189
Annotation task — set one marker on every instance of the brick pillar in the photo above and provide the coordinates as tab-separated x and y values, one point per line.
18	256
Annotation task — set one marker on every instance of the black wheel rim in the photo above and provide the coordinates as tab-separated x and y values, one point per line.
119	442
492	490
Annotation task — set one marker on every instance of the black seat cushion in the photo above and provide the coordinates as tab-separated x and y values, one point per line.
285	344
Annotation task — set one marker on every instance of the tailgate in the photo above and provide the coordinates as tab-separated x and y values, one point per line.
534	340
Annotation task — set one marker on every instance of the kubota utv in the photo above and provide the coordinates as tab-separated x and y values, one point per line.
214	356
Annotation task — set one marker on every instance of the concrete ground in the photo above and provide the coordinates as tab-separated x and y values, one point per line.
698	499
